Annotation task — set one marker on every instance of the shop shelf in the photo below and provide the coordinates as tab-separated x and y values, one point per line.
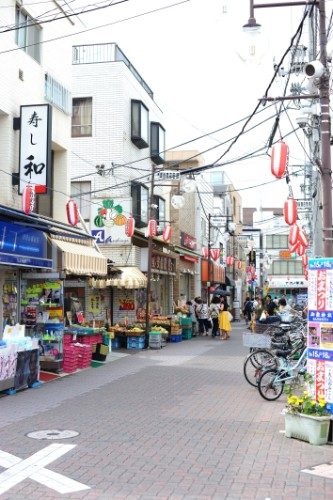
176	338
135	342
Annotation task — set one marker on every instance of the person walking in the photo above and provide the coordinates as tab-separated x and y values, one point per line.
224	320
248	309
191	314
214	310
202	316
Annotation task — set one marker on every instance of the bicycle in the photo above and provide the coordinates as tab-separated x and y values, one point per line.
273	379
260	360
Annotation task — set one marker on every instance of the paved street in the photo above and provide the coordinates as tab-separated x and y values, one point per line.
176	423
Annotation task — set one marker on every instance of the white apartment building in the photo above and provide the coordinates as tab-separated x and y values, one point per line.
117	136
35	71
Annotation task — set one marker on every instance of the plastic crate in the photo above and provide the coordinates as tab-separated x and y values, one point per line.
115	343
176	338
135	342
187	334
186	321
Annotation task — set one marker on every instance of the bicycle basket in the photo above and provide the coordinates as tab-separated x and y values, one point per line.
256	340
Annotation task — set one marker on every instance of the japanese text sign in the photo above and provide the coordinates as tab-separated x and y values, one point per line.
35	147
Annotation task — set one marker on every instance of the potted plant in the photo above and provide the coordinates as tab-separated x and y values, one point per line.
306	418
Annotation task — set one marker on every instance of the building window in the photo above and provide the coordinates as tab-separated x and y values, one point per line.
287	267
277	241
160	212
81	193
57	94
82	117
140	195
139	124
27	33
157	143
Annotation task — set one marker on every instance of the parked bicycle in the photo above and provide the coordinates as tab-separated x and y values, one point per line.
272	380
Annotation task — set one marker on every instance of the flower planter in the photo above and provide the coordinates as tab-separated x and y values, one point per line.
308	428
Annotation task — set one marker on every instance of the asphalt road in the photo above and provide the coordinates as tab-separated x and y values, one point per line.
178	423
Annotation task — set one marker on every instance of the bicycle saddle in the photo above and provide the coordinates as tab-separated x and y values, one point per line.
283	354
285	326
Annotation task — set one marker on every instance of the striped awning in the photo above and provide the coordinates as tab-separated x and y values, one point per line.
80	259
130	278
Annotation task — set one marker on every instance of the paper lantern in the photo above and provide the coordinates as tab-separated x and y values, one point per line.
204	252
232	260
152	228
293	234
293	248
303	239
130	226
227	260
300	250
239	264
290	211
28	199
306	275
279	159
167	233
305	260
215	253
72	212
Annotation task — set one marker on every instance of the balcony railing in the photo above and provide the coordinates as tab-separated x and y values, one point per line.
57	94
106	52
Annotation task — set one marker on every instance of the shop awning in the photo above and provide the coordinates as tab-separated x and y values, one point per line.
81	259
131	278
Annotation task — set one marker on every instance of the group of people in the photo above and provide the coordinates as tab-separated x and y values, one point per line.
215	317
265	310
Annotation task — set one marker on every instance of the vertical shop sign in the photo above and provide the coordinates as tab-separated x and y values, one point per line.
320	327
35	147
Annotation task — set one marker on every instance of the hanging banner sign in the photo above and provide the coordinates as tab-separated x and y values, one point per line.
167	175
320	328
35	147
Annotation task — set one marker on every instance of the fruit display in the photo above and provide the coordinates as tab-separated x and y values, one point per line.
158	329
134	331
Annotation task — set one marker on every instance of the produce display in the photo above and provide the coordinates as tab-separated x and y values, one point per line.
158	329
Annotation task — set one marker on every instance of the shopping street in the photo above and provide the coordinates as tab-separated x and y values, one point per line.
180	422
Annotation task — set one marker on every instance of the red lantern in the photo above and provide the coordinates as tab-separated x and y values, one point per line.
290	211
204	252
239	264
293	234
28	199
167	233
279	159
72	212
305	260
303	239
130	226
293	248
306	275
152	227
300	250
215	253
232	260
227	260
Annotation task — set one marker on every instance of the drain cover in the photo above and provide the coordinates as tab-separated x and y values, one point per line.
52	434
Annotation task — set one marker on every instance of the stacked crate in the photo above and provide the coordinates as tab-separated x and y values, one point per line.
84	354
155	340
186	328
70	359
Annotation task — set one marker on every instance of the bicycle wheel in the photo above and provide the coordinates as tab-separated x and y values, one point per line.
269	385
256	363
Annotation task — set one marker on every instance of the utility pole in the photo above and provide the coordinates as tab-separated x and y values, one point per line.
209	259
325	126
150	254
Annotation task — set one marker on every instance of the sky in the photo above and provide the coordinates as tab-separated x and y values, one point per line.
193	56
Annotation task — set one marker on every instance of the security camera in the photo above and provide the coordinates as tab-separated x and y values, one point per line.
314	69
302	120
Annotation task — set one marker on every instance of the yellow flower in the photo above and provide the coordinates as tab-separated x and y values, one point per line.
305	393
313	402
300	401
321	397
322	404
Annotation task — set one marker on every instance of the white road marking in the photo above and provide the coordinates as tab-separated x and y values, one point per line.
323	470
52	434
33	467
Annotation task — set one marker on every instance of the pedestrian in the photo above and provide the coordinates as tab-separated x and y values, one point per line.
247	310
214	310
202	316
224	320
191	314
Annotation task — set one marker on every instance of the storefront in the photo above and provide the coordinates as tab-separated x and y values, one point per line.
163	272
294	289
216	275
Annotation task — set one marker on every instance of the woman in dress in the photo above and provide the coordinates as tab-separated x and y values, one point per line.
224	321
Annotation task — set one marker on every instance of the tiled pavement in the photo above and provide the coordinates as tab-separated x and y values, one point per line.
180	423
